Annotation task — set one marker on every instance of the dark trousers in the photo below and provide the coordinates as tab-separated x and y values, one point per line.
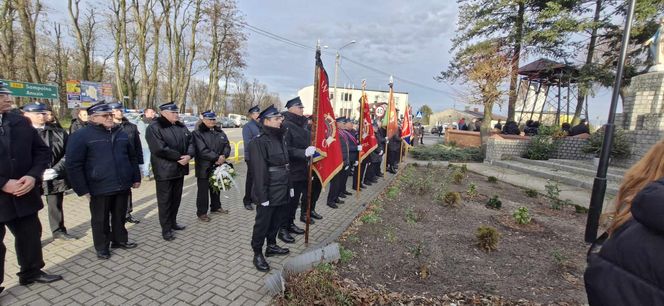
249	183
202	199
27	242
316	188
343	180
299	191
370	172
360	170
130	204
422	138
169	195
393	157
56	218
335	186
268	219
107	216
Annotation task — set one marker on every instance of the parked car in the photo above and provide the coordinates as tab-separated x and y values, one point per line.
225	122
239	120
189	121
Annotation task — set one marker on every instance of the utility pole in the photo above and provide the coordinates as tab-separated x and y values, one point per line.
336	69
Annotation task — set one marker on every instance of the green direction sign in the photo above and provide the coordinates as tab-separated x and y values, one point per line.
32	90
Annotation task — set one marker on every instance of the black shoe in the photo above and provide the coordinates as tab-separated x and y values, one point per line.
347	193
131	219
294	229
178	227
275	250
63	236
123	245
379	175
2	289
343	196
339	201
315	215
285	236
104	254
260	263
249	207
168	236
304	219
42	278
333	205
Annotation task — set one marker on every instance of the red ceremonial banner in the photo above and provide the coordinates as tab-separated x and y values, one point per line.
327	160
369	141
407	126
392	123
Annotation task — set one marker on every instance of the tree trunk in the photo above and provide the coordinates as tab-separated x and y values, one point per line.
485	128
154	80
8	44
60	70
142	16
193	47
28	19
128	71
516	54
583	90
80	39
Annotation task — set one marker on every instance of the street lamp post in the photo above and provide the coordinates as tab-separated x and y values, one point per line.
336	68
599	185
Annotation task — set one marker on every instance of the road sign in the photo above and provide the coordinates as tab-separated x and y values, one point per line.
419	115
31	90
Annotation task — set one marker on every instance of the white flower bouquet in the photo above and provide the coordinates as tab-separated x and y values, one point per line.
222	178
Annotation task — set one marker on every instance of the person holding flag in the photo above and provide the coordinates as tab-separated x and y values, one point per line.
393	133
367	139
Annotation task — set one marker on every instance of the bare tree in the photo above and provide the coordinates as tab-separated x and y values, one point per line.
226	35
28	13
143	14
248	94
84	31
181	55
61	63
8	43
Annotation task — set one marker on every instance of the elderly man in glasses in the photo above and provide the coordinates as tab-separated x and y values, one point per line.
23	159
102	165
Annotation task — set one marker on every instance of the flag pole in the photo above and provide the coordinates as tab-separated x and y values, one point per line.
359	152
388	123
314	128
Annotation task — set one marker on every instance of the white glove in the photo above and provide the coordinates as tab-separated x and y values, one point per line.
346	168
266	203
387	141
380	152
359	147
355	164
309	151
49	174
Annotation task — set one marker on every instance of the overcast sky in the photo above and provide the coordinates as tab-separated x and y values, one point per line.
409	39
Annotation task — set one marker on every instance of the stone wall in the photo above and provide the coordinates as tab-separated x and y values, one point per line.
641	141
463	139
568	148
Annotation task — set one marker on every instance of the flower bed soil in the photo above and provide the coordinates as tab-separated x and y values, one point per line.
421	247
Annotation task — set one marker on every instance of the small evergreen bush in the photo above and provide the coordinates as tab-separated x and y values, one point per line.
487	238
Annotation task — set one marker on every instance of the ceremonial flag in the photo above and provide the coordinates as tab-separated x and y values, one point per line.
391	115
407	127
369	141
327	160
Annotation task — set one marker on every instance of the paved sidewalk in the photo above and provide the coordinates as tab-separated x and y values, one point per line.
208	263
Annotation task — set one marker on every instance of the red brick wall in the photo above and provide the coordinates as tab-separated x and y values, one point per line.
463	138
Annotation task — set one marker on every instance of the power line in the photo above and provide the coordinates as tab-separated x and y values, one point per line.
302	46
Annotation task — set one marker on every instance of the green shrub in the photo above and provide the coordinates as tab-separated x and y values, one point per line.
392	192
472	190
345	255
521	215
446	153
411	216
580	209
540	147
620	147
487	238
492	179
452	199
370	218
531	193
553	192
457	177
494	203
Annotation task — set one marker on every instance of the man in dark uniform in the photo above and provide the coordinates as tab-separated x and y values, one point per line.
54	184
102	165
23	159
338	182
298	140
135	140
393	148
354	147
249	132
271	191
212	149
171	149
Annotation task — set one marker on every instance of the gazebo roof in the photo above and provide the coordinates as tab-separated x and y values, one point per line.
547	70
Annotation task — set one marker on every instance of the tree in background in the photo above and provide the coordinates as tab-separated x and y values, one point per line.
483	67
520	26
426	112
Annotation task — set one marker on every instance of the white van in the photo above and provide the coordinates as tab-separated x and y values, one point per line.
239	120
